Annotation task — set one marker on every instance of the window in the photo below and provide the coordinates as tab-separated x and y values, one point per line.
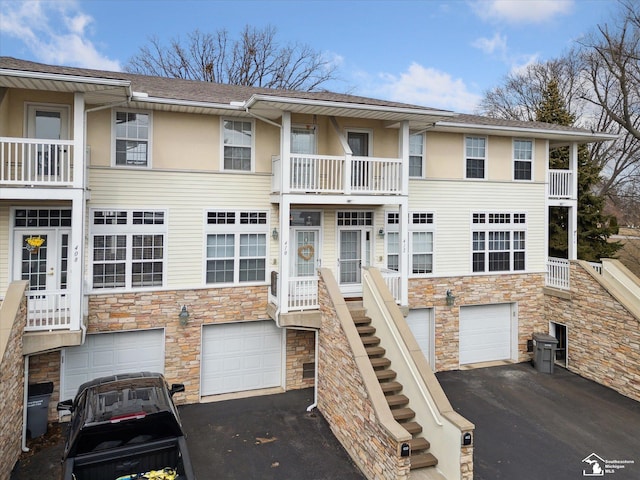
128	248
475	157
498	242
236	245
522	159
421	242
393	241
132	138
303	139
416	155
237	145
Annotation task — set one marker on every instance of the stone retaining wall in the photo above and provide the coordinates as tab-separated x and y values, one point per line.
603	337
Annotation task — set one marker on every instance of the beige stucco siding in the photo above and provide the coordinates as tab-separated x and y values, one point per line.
4	247
453	204
16	109
186	197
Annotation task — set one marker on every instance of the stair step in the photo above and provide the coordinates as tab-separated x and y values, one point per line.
370	340
361	320
397	400
386	374
375	351
403	413
365	330
380	362
419	444
412	427
391	387
423	460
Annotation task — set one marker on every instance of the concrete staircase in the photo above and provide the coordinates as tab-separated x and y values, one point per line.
392	389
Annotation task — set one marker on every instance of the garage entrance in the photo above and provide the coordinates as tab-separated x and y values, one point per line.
420	322
237	357
104	354
486	333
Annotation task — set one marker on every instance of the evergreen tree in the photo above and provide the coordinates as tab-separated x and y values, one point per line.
593	226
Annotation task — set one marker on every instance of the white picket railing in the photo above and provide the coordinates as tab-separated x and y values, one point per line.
303	293
392	279
561	184
48	310
558	270
28	161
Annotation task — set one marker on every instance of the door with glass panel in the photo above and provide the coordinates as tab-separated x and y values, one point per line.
355	253
359	144
303	166
45	122
306	259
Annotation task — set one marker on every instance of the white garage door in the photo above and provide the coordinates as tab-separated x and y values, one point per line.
485	333
109	353
420	321
241	356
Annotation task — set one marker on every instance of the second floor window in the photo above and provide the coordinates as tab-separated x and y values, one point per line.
237	147
475	157
132	135
416	155
522	159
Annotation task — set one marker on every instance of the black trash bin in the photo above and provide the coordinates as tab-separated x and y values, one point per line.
38	396
544	352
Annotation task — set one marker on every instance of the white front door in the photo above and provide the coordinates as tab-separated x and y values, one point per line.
41	257
355	253
303	289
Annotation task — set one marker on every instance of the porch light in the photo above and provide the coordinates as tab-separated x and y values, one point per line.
381	233
274	234
450	299
183	316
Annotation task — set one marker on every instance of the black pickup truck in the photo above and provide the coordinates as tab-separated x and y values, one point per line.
125	427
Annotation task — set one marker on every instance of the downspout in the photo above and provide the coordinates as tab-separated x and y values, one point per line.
315	379
25	403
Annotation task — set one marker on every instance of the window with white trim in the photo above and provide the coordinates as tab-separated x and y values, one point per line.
128	248
132	138
522	160
392	238
498	241
421	227
236	247
416	155
475	157
237	144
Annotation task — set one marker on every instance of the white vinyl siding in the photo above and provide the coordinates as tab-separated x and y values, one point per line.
186	197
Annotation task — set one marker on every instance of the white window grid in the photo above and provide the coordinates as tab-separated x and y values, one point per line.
498	242
132	133
237	144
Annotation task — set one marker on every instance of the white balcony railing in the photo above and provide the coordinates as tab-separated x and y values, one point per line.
303	293
558	273
392	279
48	310
27	161
561	184
340	174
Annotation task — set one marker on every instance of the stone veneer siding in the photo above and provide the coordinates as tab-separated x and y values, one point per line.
603	337
343	401
300	350
12	394
526	290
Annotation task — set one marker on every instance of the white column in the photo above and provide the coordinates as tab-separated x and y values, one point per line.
79	147
404	156
572	227
403	267
285	256
285	153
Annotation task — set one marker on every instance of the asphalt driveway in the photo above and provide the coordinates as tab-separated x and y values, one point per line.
533	426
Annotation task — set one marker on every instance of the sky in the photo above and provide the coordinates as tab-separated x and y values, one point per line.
435	53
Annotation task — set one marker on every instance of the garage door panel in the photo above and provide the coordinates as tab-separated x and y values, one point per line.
485	333
241	356
106	354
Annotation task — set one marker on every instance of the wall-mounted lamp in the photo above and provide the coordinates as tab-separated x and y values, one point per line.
183	316
450	299
381	233
274	234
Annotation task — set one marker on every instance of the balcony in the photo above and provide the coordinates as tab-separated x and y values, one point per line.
36	162
48	310
561	184
558	273
338	175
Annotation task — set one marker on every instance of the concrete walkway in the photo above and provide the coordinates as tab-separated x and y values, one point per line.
533	426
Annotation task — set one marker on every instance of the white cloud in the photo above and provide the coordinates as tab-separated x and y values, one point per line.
497	44
54	32
429	87
521	11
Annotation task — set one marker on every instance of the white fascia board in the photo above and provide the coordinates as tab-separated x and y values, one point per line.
110	82
529	131
187	103
359	106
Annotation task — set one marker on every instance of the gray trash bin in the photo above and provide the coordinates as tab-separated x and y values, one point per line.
544	352
38	397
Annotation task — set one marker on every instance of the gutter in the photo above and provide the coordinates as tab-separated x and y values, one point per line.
25	402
